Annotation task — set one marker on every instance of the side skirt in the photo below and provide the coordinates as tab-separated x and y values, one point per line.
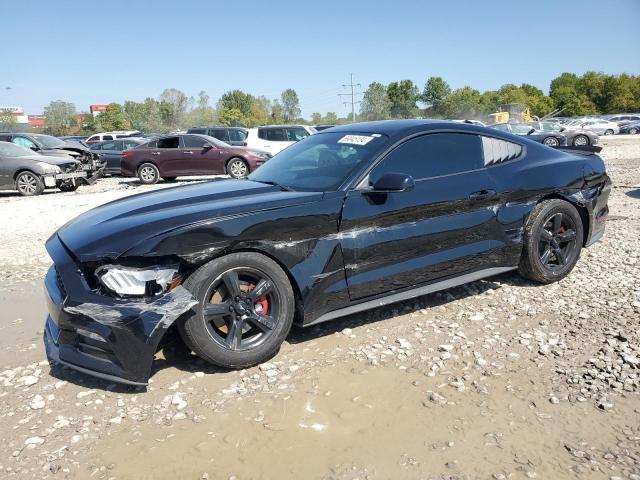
407	294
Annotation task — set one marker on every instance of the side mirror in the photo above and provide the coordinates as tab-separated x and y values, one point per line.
533	130
562	129
393	182
207	146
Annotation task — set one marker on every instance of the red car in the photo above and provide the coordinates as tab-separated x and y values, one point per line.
173	156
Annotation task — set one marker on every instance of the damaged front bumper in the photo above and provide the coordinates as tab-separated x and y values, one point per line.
110	338
53	179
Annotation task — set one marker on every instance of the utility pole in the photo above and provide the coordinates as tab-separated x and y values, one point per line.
352	95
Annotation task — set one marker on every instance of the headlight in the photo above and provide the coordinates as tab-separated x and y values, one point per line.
264	155
48	168
138	281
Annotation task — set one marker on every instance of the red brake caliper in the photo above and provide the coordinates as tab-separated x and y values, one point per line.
263	302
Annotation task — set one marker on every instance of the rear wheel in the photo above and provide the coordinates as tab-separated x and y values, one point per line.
148	173
634	131
552	241
608	132
29	184
245	310
551	142
580	140
237	168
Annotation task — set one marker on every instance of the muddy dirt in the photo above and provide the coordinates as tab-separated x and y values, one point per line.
499	379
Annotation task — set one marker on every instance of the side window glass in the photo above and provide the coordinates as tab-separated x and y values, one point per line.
192	141
128	145
93	139
219	133
23	142
237	135
169	142
296	134
276	135
262	133
109	146
107	137
433	155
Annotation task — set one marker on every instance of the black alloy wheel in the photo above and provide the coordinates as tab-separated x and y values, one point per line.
557	241
243	309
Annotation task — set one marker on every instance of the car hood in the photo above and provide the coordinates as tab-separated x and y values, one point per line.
109	231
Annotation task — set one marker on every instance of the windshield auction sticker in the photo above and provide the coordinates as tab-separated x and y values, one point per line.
355	139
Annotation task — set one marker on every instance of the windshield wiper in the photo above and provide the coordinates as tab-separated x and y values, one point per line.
283	187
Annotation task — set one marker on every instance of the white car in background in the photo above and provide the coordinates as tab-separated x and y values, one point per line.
596	125
274	138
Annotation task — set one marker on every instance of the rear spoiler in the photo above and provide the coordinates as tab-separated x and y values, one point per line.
581	149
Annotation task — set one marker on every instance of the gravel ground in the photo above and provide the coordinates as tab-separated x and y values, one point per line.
496	379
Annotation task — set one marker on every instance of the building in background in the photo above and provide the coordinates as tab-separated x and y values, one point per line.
22	121
36	121
96	109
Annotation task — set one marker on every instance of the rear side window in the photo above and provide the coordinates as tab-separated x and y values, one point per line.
498	151
95	138
23	142
433	155
128	144
296	134
237	135
169	142
273	134
109	146
193	141
219	133
107	137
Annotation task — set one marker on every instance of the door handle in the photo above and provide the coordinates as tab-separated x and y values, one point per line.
155	153
188	153
482	195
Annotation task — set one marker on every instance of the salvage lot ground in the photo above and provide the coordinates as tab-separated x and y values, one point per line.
497	379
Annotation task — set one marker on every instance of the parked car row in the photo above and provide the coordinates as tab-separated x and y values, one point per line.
31	162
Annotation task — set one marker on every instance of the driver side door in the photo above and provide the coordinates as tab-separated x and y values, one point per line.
393	241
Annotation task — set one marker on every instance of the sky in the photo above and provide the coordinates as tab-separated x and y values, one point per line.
101	52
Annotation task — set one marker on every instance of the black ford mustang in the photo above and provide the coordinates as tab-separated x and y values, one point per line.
348	219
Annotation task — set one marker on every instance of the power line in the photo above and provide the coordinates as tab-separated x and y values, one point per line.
352	95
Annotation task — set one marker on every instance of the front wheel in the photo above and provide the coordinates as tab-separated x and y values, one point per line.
580	140
634	131
552	241
29	184
148	174
237	168
608	132
244	313
551	142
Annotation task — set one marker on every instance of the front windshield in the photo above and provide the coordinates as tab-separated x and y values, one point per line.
320	162
12	150
48	141
551	126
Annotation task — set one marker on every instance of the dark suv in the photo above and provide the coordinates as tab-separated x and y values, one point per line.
232	135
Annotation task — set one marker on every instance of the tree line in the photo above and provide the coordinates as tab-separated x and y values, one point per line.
590	93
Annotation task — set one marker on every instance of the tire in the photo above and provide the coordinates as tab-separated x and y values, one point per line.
634	131
148	174
581	140
29	184
608	132
237	168
169	179
551	142
67	186
552	241
261	323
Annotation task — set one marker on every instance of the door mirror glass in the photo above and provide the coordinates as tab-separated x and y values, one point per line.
393	182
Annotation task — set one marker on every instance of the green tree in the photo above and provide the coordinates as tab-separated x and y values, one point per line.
290	105
435	92
59	117
173	107
238	100
464	102
231	116
113	118
8	122
276	112
316	118
331	118
375	103
403	96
